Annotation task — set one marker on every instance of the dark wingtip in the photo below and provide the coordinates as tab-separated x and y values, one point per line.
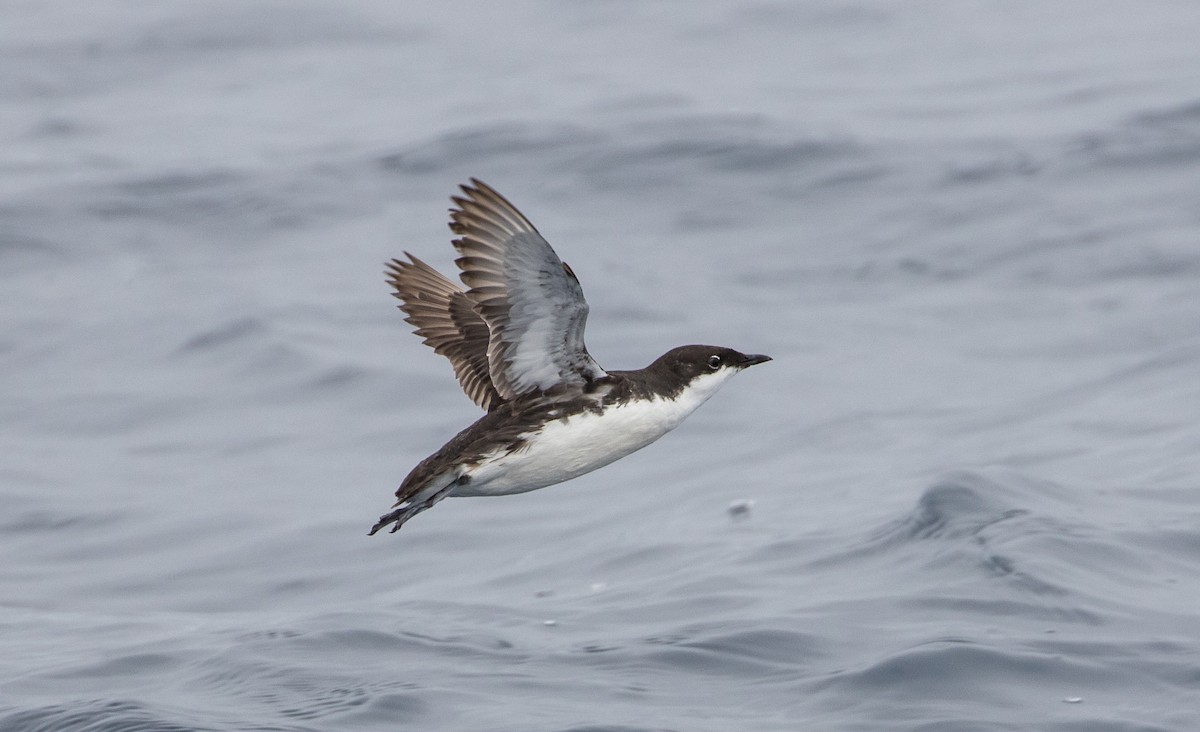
473	187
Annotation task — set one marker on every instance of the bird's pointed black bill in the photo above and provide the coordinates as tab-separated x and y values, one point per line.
753	360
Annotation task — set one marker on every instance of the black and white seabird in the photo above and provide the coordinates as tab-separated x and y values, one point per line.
515	339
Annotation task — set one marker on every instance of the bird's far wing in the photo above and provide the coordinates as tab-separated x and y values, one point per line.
531	301
445	318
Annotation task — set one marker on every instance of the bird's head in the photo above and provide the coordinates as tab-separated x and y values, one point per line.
703	369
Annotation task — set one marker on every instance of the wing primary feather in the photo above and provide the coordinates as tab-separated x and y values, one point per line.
446	320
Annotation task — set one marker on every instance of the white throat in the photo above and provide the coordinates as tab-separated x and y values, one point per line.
701	388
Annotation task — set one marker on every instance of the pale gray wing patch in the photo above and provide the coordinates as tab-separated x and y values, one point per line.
445	318
532	303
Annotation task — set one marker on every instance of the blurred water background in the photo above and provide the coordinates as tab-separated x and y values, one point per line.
968	232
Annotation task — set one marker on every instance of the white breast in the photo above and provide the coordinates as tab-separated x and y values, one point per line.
567	448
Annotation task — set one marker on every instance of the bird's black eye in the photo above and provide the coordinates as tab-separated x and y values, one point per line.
714	362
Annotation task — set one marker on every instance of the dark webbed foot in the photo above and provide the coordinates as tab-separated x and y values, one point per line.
407	510
398	516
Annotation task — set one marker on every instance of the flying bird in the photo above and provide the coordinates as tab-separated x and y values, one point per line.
515	339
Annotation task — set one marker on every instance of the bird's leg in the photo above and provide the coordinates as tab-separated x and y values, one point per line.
406	510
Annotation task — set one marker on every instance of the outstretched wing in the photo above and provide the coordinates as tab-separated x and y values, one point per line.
531	301
445	318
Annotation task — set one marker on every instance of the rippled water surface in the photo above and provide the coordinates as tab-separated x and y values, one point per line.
969	234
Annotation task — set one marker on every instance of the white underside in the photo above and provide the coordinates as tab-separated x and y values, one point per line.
567	448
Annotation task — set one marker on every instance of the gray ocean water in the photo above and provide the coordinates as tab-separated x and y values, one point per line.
968	232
